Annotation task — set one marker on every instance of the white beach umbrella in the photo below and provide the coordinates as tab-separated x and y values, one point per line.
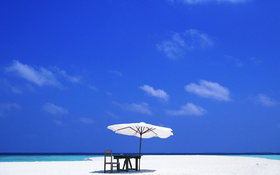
142	130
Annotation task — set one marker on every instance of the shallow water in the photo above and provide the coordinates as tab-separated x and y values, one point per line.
59	157
272	157
44	158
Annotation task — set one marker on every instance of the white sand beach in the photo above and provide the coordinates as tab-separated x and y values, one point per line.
181	164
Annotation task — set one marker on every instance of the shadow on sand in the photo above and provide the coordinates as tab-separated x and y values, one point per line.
124	172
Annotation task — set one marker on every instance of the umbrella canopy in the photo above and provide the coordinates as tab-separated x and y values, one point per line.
142	130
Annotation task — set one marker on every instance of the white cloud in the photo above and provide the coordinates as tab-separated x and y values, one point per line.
209	1
92	87
53	109
255	60
86	120
243	62
9	106
58	122
209	89
6	108
197	39
237	62
118	73
174	47
73	79
112	115
140	108
266	101
179	43
8	87
16	90
155	93
39	76
188	109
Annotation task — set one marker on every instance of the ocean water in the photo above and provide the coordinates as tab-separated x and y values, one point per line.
86	157
45	158
272	157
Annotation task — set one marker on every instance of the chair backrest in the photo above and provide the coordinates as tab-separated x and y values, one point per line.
108	153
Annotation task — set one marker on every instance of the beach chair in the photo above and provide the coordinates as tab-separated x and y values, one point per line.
108	160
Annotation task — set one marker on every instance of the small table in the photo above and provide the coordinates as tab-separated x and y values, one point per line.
127	163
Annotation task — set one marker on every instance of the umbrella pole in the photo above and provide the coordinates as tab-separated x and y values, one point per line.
140	145
140	150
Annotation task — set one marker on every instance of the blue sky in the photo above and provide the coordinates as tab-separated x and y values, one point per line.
208	69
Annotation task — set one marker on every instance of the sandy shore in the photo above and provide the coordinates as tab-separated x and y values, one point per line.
189	165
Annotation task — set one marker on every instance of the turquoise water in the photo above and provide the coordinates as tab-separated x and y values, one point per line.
272	157
47	158
44	158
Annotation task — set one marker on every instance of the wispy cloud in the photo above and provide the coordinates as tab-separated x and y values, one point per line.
118	73
6	108
209	89
9	106
140	108
112	115
209	1
237	62
16	90
55	110
40	75
188	109
255	60
177	45
243	62
8	87
92	87
155	92
87	121
173	47
73	79
265	100
58	122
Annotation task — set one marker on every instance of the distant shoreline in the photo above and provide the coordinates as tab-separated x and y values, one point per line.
81	153
152	165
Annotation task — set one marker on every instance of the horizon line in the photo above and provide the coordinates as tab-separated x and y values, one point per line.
101	153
